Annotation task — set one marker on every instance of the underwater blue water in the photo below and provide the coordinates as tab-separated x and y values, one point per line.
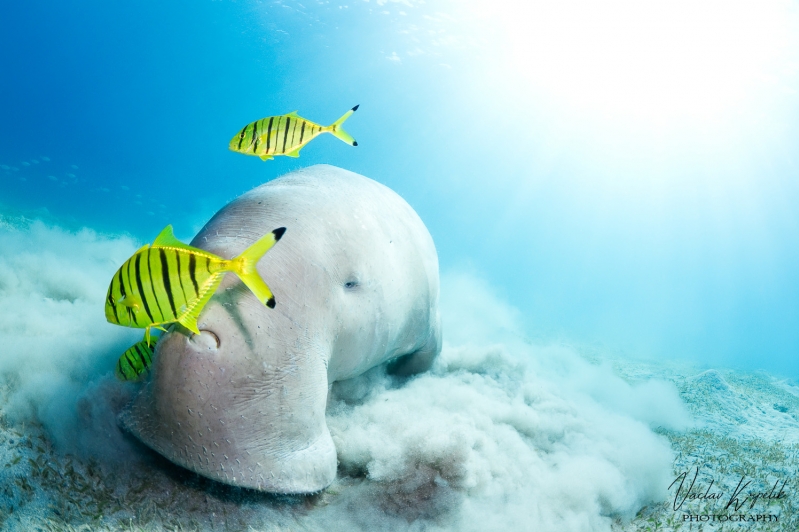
606	234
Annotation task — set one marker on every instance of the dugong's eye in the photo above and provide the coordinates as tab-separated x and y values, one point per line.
349	285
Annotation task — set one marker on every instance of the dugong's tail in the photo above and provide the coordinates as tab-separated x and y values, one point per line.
244	266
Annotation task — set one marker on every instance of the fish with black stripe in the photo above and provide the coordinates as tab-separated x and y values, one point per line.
170	281
285	135
136	360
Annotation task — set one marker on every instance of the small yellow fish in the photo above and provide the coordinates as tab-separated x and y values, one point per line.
135	361
170	281
285	135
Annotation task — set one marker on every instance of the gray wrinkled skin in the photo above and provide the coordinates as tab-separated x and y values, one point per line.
356	282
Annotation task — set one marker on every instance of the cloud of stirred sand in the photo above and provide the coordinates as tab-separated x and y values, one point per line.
56	347
500	435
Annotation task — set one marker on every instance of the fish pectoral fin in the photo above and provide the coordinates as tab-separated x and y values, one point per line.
129	301
266	157
294	153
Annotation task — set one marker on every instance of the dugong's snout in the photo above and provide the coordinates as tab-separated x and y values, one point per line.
205	410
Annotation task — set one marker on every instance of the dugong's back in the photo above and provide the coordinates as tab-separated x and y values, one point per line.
355	278
348	238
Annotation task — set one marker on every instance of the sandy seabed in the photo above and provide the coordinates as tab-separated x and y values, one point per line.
744	442
745	427
501	434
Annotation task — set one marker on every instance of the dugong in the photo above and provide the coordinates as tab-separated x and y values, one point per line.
355	279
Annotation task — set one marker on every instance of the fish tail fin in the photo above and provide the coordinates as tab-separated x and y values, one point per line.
336	129
244	266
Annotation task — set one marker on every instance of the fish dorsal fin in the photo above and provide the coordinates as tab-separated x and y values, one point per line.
166	239
294	114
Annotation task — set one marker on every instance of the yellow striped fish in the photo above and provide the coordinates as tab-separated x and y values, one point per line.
170	281
135	361
285	135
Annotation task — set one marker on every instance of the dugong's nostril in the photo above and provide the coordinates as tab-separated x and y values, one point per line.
206	340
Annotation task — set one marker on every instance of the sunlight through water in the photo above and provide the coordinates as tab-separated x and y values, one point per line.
658	62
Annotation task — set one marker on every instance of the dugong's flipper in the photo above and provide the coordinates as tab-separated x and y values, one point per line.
421	360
